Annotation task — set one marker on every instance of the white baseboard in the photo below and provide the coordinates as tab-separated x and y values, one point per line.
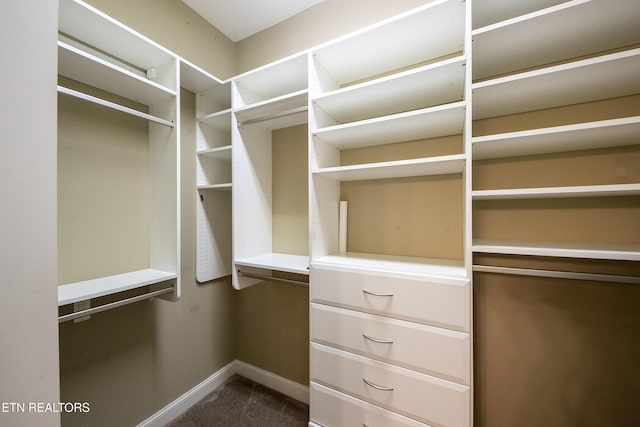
268	379
275	382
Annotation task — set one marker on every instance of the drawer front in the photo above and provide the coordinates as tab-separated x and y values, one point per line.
443	303
434	351
427	399
330	408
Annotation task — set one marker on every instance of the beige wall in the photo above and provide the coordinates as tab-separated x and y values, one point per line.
318	24
28	300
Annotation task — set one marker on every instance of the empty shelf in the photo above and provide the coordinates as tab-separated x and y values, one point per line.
298	264
610	252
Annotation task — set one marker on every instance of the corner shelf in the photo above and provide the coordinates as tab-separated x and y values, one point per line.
298	264
556	192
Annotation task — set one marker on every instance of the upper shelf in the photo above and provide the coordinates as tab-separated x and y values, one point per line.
275	80
613	190
487	12
81	66
430	32
581	136
83	22
602	77
571	29
441	165
286	110
426	86
433	122
610	252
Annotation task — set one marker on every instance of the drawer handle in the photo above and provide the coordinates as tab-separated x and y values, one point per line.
378	340
376	386
378	294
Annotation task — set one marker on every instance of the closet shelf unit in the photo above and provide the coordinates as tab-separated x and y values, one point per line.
548	54
359	100
213	171
264	100
389	126
95	50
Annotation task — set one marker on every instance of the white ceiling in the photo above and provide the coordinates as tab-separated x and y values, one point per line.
239	19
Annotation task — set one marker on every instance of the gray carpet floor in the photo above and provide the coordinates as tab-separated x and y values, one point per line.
240	402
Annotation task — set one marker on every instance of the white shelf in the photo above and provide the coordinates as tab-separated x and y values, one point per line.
581	136
197	80
557	192
83	22
426	33
91	70
571	29
441	165
274	80
432	122
603	77
488	12
298	264
430	85
220	153
609	252
85	290
220	120
281	109
393	264
227	186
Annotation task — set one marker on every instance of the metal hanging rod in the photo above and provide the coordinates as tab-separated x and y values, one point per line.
115	304
113	105
593	277
273	279
279	115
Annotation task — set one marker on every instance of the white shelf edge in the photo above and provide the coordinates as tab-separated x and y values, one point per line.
550	134
213	151
556	192
227	186
394	264
360	86
528	16
196	79
274	103
298	264
114	106
413	125
217	114
556	69
88	289
441	165
607	252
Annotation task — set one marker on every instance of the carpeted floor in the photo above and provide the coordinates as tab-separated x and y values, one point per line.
240	402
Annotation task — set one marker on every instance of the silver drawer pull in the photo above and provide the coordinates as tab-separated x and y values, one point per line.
378	340
378	294
376	386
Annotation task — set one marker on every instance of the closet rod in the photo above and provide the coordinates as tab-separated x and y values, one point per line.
274	279
594	277
115	106
115	304
279	115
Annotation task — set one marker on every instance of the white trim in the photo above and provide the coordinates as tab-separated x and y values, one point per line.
275	382
176	408
268	379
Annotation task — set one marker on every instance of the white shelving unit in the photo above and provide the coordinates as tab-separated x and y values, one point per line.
548	54
264	100
213	171
365	106
96	50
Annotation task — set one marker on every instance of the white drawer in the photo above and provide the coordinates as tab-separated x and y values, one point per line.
422	397
434	351
436	301
330	408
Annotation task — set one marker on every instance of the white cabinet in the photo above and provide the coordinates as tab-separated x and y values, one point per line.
94	50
